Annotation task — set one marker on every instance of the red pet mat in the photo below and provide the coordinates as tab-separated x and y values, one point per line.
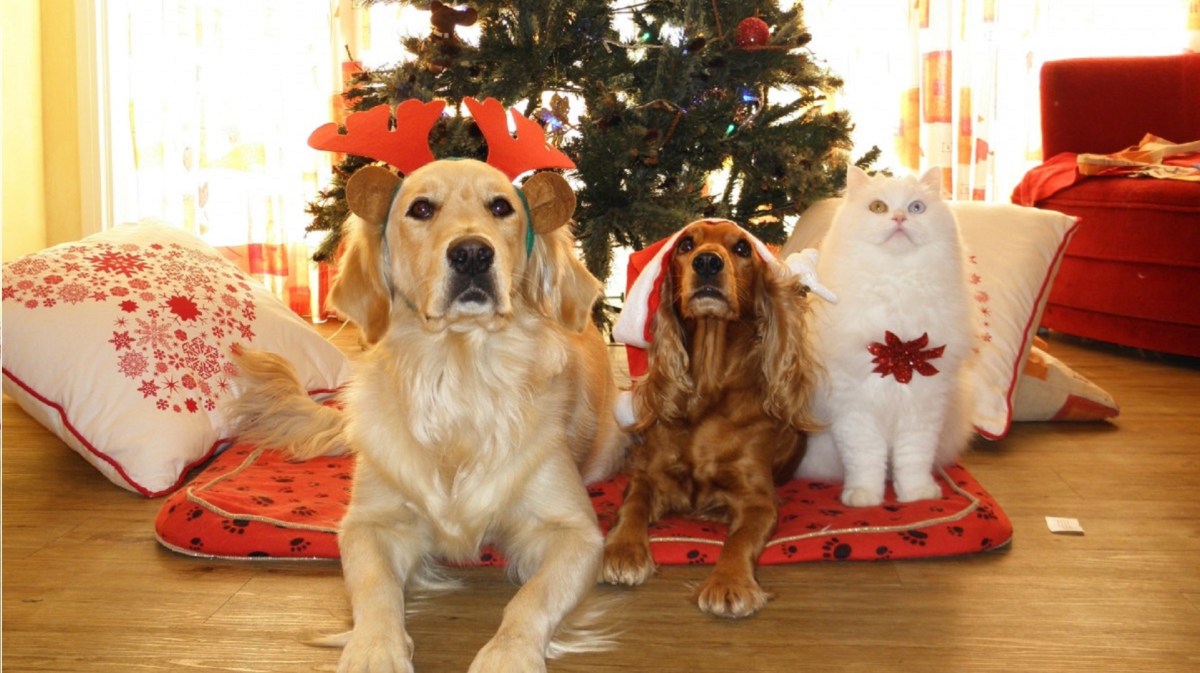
254	503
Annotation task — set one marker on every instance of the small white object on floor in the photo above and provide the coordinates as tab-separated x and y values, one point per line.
1064	526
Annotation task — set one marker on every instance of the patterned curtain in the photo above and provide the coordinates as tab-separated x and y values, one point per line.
954	83
212	101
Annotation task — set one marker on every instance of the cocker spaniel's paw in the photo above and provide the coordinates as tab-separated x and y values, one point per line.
731	596
377	652
627	563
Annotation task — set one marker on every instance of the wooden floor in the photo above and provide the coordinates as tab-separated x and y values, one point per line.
87	589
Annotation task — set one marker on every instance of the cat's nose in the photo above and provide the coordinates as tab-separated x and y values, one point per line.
899	218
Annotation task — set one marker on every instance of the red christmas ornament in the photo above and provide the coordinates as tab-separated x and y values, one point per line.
901	358
752	32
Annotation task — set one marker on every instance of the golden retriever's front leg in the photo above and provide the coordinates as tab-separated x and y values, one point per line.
627	558
557	554
380	548
731	590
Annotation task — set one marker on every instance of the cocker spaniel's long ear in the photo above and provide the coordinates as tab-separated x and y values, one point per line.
360	292
556	281
664	392
788	367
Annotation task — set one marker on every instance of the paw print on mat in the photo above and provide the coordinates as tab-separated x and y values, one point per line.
835	550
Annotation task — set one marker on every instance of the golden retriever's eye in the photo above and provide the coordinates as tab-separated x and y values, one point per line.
500	207
742	248
686	244
878	207
421	209
916	207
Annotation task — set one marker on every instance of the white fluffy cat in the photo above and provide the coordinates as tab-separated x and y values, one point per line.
895	395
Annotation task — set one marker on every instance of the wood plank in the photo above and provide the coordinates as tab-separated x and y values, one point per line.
87	588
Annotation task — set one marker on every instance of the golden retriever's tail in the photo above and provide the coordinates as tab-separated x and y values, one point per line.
273	409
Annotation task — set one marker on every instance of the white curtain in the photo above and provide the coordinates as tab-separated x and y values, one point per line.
954	83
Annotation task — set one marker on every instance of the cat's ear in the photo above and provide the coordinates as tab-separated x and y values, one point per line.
932	180
856	178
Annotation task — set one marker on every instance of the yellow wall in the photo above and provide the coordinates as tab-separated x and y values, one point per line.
60	122
21	107
40	126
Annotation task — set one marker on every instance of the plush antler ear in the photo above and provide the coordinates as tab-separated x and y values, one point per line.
526	151
551	201
369	193
369	134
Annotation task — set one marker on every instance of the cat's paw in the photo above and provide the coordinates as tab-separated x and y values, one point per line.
923	491
861	497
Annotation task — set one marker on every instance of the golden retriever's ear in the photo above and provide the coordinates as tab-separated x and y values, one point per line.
558	283
359	292
550	199
664	392
369	193
788	366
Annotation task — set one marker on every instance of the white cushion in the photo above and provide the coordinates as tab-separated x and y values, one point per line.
119	344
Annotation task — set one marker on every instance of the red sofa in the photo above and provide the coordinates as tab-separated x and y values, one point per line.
1131	274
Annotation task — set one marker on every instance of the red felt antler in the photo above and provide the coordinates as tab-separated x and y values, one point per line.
368	134
526	151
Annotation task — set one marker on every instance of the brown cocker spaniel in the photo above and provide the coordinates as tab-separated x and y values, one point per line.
722	411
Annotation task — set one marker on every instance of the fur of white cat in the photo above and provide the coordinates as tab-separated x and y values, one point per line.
895	258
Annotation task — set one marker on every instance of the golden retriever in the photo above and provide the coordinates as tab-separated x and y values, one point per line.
723	409
477	416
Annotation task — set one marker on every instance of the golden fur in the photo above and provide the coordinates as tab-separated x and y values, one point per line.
723	410
486	397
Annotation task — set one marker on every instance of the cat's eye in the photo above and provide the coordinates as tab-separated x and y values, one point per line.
421	209
742	248
686	244
500	207
916	207
878	207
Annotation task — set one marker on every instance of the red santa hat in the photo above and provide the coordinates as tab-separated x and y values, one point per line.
633	326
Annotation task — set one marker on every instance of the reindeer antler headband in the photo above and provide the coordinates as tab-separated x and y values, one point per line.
405	145
406	148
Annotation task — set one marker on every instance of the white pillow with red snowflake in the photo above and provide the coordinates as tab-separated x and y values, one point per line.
1015	253
119	344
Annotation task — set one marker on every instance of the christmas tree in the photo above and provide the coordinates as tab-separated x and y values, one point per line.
703	108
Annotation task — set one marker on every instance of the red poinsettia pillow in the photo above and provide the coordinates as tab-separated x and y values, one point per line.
120	343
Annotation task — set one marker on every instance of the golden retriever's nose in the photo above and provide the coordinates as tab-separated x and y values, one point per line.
707	264
471	257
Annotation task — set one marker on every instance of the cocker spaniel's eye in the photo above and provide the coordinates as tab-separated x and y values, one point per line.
916	207
500	207
421	209
878	207
685	245
742	248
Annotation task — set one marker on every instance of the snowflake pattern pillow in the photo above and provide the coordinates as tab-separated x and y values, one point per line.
120	343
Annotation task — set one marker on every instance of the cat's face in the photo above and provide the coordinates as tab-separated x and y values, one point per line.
895	213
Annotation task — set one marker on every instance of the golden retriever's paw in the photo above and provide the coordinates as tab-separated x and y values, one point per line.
862	497
629	564
728	596
377	652
508	656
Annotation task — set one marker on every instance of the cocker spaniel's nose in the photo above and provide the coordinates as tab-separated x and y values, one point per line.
471	257
707	264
